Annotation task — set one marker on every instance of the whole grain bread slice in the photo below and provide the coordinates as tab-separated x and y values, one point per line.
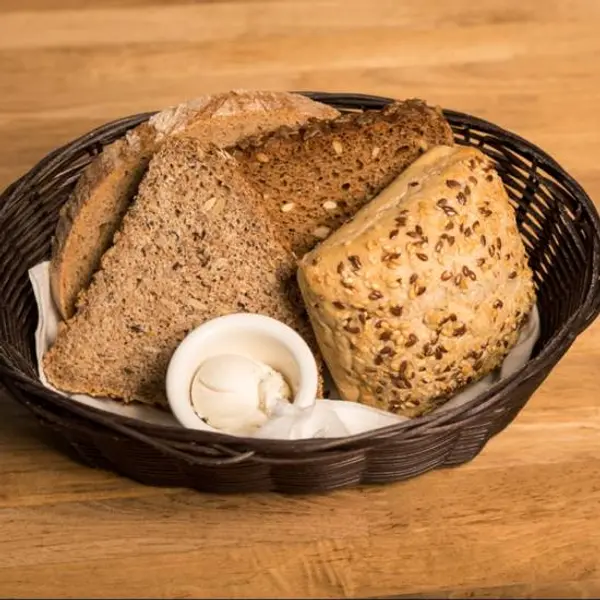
194	245
103	193
315	177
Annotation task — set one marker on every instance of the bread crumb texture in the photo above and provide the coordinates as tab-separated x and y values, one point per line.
316	176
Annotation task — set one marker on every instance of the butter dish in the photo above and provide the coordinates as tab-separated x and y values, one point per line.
215	371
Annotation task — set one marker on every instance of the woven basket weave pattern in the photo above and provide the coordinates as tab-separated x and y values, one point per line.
560	228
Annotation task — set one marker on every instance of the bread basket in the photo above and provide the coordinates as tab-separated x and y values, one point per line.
561	230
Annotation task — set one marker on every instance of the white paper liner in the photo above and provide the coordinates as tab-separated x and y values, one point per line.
328	418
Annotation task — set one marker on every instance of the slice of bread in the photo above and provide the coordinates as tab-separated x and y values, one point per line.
102	195
315	177
194	245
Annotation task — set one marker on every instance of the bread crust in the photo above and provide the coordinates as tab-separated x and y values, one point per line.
94	211
425	290
83	232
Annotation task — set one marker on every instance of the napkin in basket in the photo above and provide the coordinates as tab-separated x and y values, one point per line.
327	418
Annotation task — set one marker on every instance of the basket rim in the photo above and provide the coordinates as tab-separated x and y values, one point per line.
552	351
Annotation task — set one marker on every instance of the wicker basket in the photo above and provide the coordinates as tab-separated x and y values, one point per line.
560	228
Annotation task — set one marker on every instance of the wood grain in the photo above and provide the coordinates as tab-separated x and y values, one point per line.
522	520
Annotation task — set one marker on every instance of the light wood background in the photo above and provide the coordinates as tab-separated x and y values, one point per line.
523	519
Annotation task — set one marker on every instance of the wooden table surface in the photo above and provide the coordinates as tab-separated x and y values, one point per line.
523	519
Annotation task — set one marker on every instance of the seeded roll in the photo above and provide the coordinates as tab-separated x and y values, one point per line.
425	290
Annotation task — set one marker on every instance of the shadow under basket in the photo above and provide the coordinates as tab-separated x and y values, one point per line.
560	228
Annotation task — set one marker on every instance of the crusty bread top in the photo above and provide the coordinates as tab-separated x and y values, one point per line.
425	290
193	246
314	177
225	118
94	211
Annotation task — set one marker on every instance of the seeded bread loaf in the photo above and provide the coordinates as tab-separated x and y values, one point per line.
94	211
194	245
425	290
314	177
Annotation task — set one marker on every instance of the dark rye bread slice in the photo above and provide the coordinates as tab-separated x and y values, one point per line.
195	244
315	177
102	195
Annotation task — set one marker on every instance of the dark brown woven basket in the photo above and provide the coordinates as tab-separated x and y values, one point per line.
561	230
